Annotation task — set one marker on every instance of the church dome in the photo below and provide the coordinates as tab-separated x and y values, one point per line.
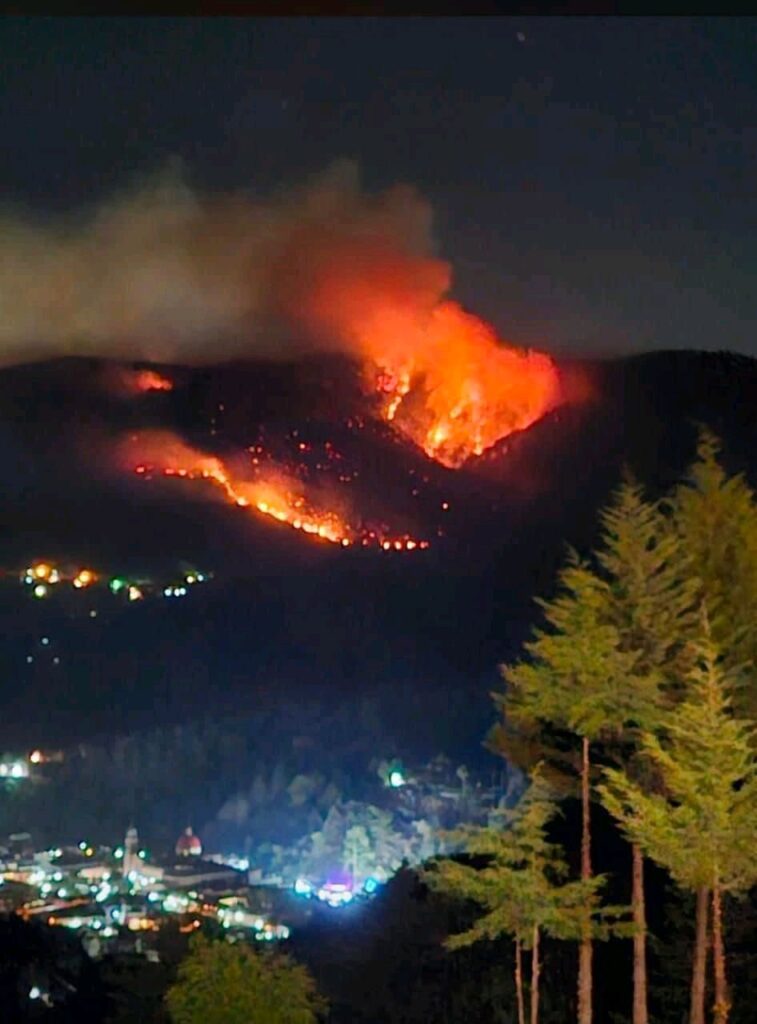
188	844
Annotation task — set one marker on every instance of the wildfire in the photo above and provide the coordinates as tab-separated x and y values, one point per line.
274	494
443	377
149	380
457	390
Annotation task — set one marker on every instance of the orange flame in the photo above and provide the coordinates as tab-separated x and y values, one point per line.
274	495
457	391
149	380
446	381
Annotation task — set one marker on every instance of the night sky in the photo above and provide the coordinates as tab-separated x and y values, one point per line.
593	180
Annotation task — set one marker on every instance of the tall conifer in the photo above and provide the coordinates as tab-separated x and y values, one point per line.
701	821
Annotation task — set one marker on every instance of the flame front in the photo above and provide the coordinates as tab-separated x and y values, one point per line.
458	390
150	380
444	378
274	494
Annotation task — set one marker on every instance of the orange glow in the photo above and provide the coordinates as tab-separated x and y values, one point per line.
274	494
149	380
454	389
444	379
84	578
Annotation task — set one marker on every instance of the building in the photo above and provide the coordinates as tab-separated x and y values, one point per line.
188	844
131	861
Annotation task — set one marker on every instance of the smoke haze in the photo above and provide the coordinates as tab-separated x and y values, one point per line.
162	273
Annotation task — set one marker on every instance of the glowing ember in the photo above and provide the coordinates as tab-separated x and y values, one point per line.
149	380
274	494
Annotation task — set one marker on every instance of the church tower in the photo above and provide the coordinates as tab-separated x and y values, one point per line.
131	860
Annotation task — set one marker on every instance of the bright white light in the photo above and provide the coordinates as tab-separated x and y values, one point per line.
103	893
40	590
19	770
82	845
35	992
62	894
396	779
302	887
119	852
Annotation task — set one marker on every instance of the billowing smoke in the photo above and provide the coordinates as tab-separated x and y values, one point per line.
166	275
162	273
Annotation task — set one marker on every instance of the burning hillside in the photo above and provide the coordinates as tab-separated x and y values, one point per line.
459	391
271	491
164	274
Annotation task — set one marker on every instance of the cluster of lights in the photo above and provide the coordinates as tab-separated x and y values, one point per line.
334	894
96	903
42	576
133	592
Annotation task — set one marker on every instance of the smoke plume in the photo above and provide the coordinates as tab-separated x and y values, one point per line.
162	273
166	275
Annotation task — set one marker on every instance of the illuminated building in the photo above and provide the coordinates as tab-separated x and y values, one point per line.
131	860
188	844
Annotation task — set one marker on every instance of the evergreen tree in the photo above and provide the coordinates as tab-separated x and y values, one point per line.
575	681
609	666
521	888
701	822
715	517
652	603
219	983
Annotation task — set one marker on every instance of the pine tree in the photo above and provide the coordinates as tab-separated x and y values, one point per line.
652	602
521	888
715	517
701	823
634	610
576	681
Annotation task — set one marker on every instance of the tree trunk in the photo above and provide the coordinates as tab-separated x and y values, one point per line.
640	1014
519	982
699	970
585	949
535	972
722	1002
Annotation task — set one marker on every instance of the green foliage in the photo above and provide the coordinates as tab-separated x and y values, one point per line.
652	592
615	638
219	983
701	823
521	885
715	517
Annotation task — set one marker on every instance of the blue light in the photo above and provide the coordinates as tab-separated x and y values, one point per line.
370	886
